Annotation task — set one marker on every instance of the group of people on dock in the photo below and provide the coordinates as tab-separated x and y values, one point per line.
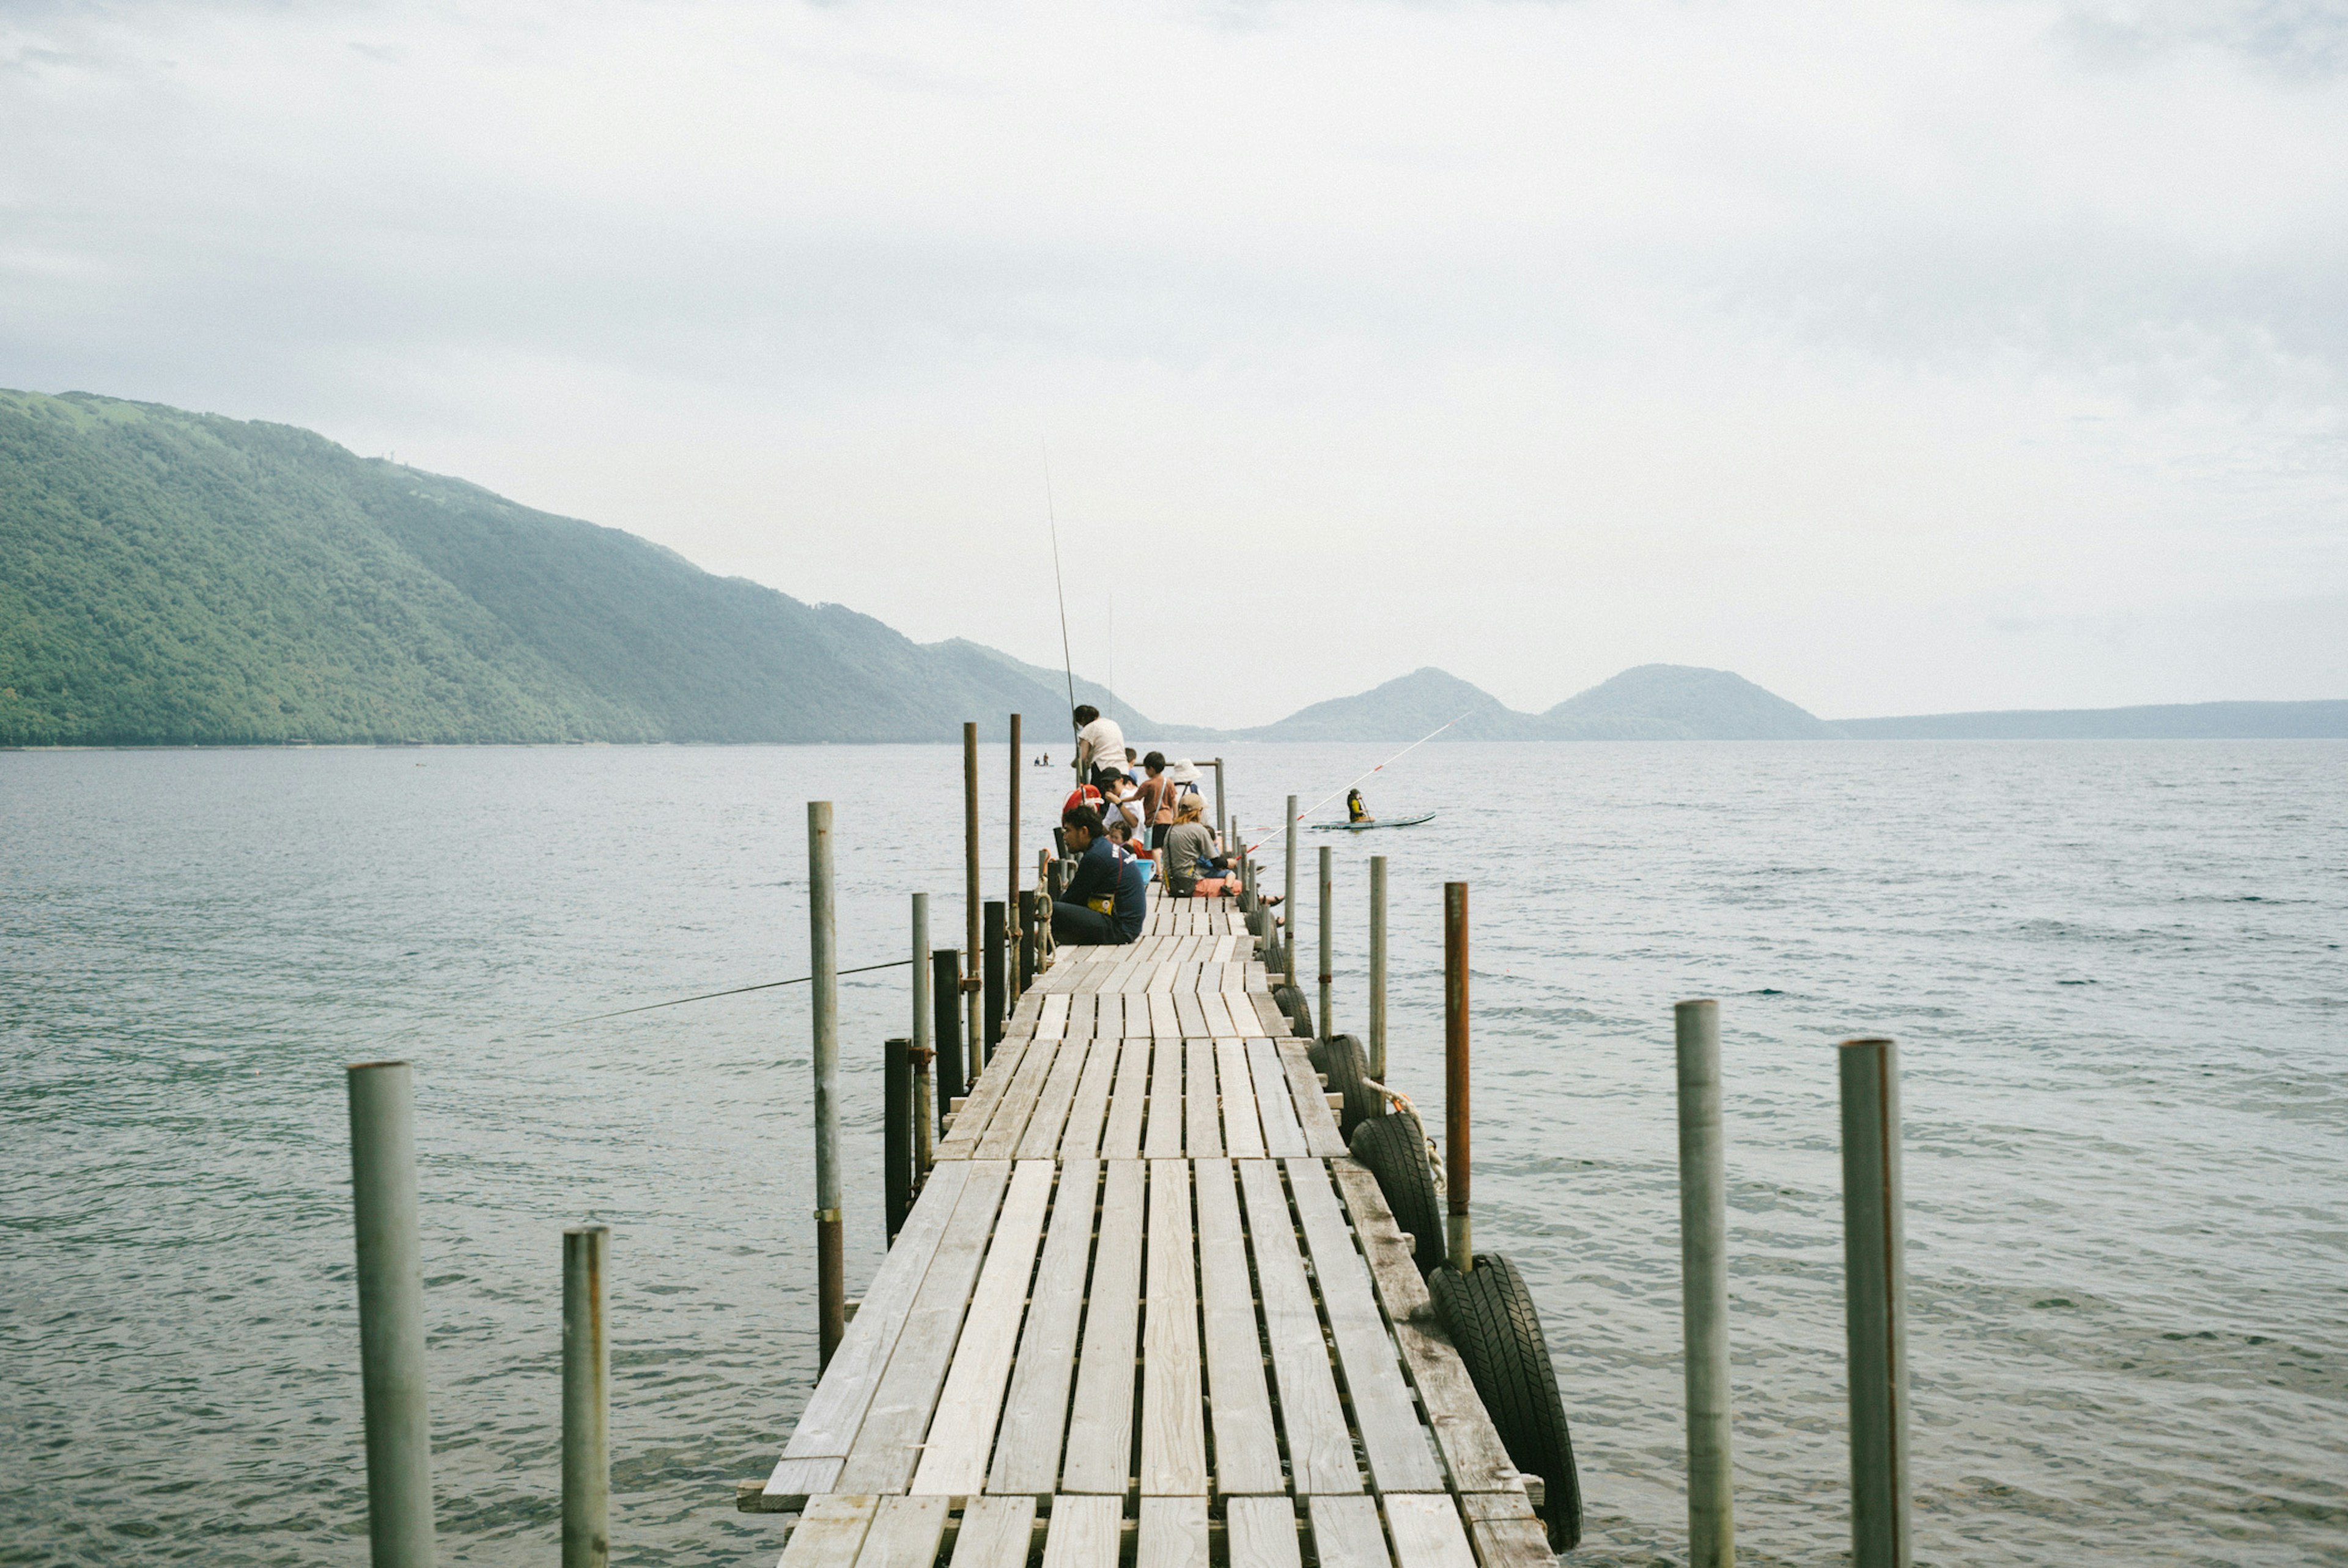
1130	815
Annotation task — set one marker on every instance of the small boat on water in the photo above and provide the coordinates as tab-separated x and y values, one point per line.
1365	826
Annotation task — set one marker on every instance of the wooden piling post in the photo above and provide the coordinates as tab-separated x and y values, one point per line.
1703	1285
995	979
1013	908
924	1045
945	995
586	1401
1327	881
963	989
1288	899
1219	818
831	1276
1876	1293
1378	1041
1026	940
896	1135
1458	1235
391	1314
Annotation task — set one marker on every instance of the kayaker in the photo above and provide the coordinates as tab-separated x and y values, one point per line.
1356	809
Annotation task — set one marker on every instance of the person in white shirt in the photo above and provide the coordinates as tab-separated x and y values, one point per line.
1100	744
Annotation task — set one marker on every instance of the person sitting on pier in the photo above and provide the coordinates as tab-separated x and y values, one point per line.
1120	802
1107	899
1128	848
1100	745
1191	870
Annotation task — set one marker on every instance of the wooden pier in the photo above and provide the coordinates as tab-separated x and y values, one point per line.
1146	1312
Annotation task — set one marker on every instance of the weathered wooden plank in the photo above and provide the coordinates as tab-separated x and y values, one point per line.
1202	1136
1100	1425
1220	1021
1088	1115
1172	1533
1282	1134
1243	1132
1510	1543
795	1481
1173	1421
1319	1448
1164	1137
1161	1016
1163	979
1393	1441
978	1110
1247	1447
1121	1136
829	1425
996	1533
1471	1447
1081	1014
1346	1534
962	1432
830	1532
1260	1533
881	1459
1188	1013
1035	1413
1268	1014
1322	1139
1427	1532
1009	1123
905	1533
1053	1008
1083	1531
1042	1139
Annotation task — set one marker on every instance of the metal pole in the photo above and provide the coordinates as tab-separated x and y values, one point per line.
391	1314
1011	905
1288	898
962	988
1027	971
832	1280
1378	1052
1220	822
947	988
1874	1282
1458	1238
1703	1285
925	1116
586	1401
995	977
896	1135
1328	855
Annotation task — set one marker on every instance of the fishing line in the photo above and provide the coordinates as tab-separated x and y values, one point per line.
1341	789
1067	664
737	990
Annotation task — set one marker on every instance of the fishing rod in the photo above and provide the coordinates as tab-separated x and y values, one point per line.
737	990
1067	664
1341	789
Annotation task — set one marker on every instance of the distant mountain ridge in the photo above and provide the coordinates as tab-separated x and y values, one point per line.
1647	702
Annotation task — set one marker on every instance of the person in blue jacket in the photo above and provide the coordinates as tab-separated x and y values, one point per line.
1107	899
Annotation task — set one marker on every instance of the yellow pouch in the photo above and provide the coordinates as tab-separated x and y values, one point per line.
1102	905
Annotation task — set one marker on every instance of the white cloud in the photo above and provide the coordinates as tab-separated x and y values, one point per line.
1828	343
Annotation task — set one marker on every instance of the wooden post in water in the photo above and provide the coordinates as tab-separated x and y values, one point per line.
964	989
925	1048
1327	938
586	1401
1378	1041
391	1314
1703	1285
945	988
1459	1242
896	1135
1219	799
1876	1293
1013	908
995	977
832	1267
1288	899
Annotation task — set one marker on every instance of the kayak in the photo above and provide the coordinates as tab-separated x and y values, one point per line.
1365	826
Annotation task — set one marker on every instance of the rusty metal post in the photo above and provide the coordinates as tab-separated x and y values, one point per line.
993	965
1378	1041
1876	1295
586	1401
1459	1240
896	1135
924	1053
966	991
1288	900
1011	905
945	986
1220	822
1327	938
831	1265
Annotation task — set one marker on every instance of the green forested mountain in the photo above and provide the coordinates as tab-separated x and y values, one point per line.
168	577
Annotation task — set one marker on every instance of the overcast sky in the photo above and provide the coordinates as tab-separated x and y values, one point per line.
1901	358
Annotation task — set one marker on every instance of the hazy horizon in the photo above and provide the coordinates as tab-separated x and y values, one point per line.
1966	357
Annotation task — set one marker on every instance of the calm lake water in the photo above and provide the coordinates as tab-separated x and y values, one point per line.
2114	970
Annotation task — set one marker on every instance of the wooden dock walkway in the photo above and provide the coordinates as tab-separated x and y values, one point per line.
1146	1312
